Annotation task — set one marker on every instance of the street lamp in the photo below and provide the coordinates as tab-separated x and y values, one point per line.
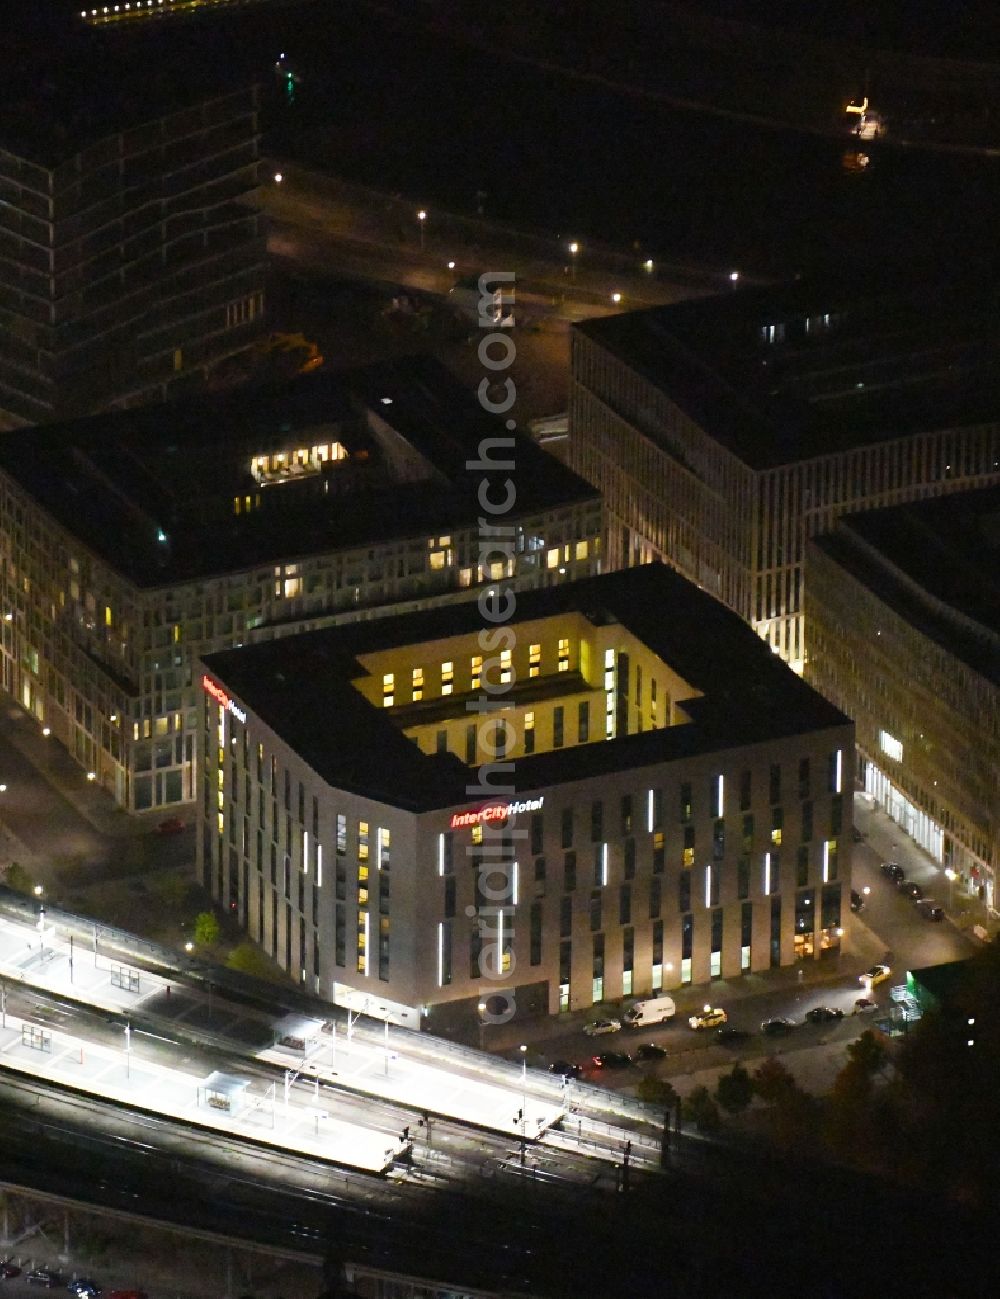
482	1025
39	890
616	298
189	946
951	876
524	1095
734	277
574	248
648	265
421	217
128	1050
278	178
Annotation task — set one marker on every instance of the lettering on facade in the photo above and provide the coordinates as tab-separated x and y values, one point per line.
219	695
495	812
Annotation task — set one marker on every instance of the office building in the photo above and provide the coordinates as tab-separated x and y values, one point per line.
134	541
724	432
903	621
619	791
130	261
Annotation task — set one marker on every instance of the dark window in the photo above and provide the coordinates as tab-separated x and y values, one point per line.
537	830
600	863
475	951
441	742
565	962
719	840
807	821
628	949
625	905
629	859
743	876
717	930
687	808
746	790
658	943
657	809
775	932
539	870
626	814
595	910
774	784
535	957
449	897
596	821
447	853
569	871
687	936
802	867
804	778
583	721
565	917
446	953
684	891
746	924
748	832
470	744
714	874
659	853
655	901
836	815
566	828
598	967
557	726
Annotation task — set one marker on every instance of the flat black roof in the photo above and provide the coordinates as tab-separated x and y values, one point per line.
64	85
937	564
850	364
151	489
301	688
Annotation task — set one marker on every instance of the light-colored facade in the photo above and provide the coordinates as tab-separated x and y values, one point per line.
919	670
724	434
99	649
632	853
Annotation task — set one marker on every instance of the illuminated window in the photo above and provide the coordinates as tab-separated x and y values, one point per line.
534	660
363	841
529	732
438	559
777	823
505	671
388	688
582	549
891	746
496	570
384	844
418	684
107	615
477	670
447	678
552	558
563	663
465	577
477	834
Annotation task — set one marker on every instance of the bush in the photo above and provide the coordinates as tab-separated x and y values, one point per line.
247	958
18	878
657	1091
772	1082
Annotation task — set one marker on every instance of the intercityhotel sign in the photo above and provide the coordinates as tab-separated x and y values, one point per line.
495	812
213	688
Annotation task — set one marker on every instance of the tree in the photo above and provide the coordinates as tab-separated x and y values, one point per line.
868	1053
735	1090
700	1109
17	878
206	929
772	1082
657	1091
172	890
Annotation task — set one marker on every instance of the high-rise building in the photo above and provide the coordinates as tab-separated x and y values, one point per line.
903	622
135	541
724	432
130	262
617	791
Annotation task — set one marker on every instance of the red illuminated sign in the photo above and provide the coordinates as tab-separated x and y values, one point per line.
495	812
219	695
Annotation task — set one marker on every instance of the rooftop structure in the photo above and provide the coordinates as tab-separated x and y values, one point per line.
903	617
348	773
725	431
137	540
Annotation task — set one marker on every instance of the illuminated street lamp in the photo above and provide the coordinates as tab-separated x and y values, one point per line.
278	178
421	218
616	298
524	1095
128	1050
734	277
648	265
482	1025
574	248
951	876
39	890
189	946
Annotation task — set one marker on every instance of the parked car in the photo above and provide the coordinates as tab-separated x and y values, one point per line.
598	1026
930	910
876	974
857	901
731	1036
44	1276
777	1027
565	1068
172	825
910	890
650	1051
864	1006
709	1018
84	1288
9	1269
823	1014
612	1060
893	870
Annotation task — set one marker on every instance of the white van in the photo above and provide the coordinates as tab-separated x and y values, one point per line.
655	1011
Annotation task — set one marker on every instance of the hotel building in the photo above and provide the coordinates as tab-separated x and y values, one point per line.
130	262
619	791
903	620
134	542
723	433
